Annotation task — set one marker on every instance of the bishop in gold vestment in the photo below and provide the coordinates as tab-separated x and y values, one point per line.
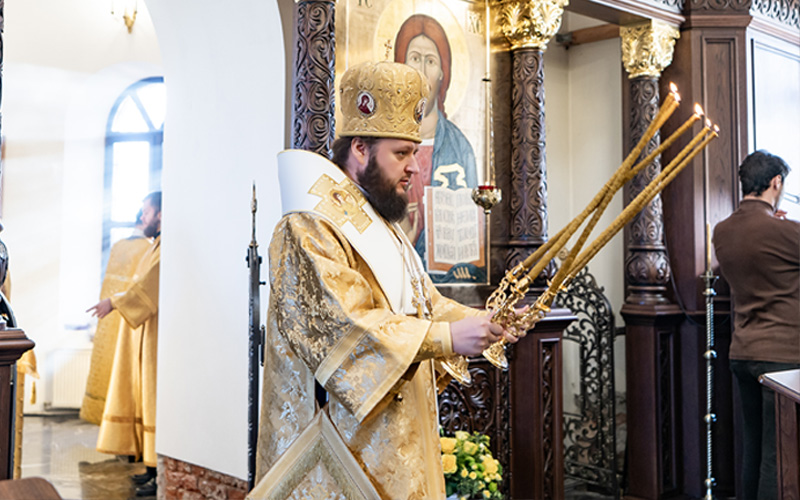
122	263
352	310
378	367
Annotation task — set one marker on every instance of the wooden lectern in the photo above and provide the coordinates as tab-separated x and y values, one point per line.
13	343
786	385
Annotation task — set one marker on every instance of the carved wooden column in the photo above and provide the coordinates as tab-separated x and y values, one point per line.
646	50
528	26
313	79
651	320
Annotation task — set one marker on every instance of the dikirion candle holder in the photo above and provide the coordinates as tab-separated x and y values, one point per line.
517	281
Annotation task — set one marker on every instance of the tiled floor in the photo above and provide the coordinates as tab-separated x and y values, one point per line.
61	449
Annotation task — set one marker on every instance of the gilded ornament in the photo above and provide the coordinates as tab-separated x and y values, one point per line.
383	99
647	48
341	202
532	23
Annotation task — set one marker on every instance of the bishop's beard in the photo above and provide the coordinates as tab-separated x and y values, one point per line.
382	193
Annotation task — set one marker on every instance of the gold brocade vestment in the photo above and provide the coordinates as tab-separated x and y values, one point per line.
122	263
330	320
128	426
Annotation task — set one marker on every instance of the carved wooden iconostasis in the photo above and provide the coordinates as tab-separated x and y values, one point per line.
722	54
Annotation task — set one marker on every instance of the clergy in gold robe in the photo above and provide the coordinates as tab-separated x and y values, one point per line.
123	260
351	310
128	424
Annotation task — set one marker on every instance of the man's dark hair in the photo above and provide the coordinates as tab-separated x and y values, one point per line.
341	149
758	169
154	199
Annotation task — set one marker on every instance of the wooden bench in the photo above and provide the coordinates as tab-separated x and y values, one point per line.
28	488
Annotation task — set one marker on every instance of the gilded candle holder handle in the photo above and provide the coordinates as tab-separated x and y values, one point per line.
517	324
457	366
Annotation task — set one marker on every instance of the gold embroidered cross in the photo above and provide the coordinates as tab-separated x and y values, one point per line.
341	202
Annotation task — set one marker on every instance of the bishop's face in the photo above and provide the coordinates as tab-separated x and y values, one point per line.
386	177
423	56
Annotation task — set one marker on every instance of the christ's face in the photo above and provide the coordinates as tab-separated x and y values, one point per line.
423	56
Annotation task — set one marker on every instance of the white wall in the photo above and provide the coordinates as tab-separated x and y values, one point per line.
224	72
584	141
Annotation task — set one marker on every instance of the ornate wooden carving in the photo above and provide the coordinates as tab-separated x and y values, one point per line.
677	4
551	390
783	11
646	266
720	5
472	408
528	197
314	73
520	410
481	407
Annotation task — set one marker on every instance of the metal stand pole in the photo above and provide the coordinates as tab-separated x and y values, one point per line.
710	355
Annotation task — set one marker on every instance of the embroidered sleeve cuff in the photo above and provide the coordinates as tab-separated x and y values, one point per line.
438	342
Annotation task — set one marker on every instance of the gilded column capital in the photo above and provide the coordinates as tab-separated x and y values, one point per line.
647	47
530	23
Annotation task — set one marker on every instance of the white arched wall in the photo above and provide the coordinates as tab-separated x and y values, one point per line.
84	159
224	73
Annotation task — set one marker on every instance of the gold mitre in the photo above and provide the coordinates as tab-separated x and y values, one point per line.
384	99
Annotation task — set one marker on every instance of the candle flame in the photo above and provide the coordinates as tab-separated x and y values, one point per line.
716	129
708	123
698	110
673	89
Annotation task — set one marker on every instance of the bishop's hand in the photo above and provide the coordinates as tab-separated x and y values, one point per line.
474	334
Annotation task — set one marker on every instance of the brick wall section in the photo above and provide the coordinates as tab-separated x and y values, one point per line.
179	480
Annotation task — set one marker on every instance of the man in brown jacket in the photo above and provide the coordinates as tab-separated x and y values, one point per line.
759	256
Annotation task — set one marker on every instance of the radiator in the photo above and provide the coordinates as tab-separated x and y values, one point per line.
67	372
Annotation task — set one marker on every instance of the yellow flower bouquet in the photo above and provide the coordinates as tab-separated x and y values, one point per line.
470	471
